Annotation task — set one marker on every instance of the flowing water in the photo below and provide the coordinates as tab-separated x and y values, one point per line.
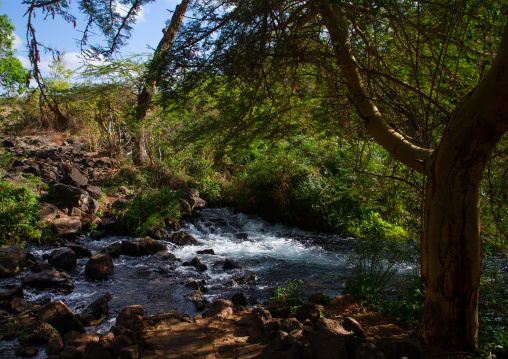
275	254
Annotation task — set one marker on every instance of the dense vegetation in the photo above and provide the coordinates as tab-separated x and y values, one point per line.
283	139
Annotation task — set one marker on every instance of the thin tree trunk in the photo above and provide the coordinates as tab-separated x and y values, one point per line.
152	79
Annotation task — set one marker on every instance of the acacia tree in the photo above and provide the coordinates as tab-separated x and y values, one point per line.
104	16
13	76
429	81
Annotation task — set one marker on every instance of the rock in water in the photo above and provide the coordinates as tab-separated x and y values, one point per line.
151	246
64	258
48	279
99	266
12	262
183	239
59	316
96	311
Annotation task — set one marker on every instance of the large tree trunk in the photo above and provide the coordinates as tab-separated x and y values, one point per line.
451	242
152	80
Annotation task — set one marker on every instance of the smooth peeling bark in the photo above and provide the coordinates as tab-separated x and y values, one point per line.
335	20
451	242
451	245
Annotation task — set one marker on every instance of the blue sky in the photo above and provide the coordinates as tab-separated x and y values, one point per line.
62	36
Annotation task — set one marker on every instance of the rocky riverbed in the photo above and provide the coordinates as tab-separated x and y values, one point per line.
41	318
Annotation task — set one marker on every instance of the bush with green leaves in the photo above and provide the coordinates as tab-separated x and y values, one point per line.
19	217
148	209
288	296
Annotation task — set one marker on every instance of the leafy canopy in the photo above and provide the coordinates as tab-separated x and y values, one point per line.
13	76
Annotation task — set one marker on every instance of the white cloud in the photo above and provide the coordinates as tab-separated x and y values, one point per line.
123	10
18	42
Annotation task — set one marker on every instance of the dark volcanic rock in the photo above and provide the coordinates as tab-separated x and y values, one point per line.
66	225
99	266
131	248
114	249
75	178
59	316
12	262
64	258
239	299
95	312
80	251
206	251
183	239
151	246
48	279
15	292
196	263
95	192
41	267
230	264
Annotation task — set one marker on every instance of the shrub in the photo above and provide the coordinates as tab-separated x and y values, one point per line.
149	209
19	217
288	296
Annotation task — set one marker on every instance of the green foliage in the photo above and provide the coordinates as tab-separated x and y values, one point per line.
375	262
13	75
376	228
19	218
149	209
288	296
493	304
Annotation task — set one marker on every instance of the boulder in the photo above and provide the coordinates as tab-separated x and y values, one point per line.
183	239
14	292
352	325
244	278
196	263
221	308
75	178
20	305
64	258
59	316
55	344
41	267
96	311
131	248
110	225
230	264
327	345
330	326
74	197
114	249
239	299
66	225
118	343
99	266
41	332
12	262
48	279
206	251
80	251
308	311
48	212
290	324
194	200
151	246
132	318
96	350
94	192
